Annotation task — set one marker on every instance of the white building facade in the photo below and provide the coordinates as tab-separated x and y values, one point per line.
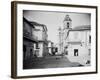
77	42
50	47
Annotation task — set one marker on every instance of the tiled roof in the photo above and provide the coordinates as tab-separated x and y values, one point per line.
82	27
38	24
35	23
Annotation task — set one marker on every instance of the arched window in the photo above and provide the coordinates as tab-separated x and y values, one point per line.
67	24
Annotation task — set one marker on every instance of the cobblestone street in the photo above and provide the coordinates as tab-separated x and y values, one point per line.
49	62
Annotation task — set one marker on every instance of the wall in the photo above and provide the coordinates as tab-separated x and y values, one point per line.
5	41
82	54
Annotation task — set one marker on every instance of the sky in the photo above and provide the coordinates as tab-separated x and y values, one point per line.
54	20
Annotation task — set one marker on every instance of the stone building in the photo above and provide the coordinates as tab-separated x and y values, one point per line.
29	40
41	34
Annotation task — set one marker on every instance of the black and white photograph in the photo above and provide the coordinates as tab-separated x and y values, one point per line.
56	39
53	39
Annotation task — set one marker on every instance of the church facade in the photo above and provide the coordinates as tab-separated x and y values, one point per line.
77	42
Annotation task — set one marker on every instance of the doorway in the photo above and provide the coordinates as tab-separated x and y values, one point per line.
75	52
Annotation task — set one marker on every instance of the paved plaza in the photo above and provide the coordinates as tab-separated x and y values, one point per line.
49	62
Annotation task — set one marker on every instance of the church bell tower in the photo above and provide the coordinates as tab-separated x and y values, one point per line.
67	25
67	22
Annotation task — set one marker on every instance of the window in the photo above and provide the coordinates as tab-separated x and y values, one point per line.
75	52
37	46
89	39
89	52
67	24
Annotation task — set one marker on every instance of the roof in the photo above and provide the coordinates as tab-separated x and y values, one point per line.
82	27
74	42
24	19
49	41
38	24
67	18
32	24
35	23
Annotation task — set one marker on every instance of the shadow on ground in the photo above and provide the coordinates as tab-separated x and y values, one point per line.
49	62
